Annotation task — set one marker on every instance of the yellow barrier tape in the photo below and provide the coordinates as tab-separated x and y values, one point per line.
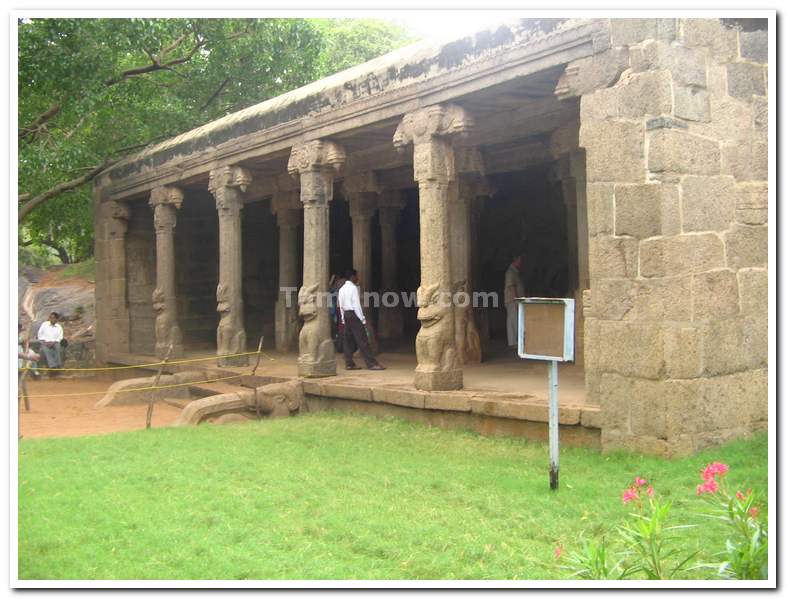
187	361
234	376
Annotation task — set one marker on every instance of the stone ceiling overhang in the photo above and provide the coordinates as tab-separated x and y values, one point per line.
384	88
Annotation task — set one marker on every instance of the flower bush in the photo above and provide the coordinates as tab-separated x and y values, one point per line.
644	545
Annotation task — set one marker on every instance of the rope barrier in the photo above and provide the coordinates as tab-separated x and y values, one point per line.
187	361
234	376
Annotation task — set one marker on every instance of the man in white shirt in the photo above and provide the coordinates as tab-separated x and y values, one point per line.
50	334
513	288
351	312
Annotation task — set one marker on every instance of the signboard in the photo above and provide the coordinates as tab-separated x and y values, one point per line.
546	332
546	328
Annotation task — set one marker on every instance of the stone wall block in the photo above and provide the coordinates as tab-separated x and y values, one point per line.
753	286
628	32
600	200
751	203
615	151
681	255
708	203
612	257
687	65
631	349
615	403
635	95
710	33
692	103
639	209
745	80
586	75
734	345
715	295
683	351
754	46
678	152
747	246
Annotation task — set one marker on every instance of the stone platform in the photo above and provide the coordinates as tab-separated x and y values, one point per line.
506	395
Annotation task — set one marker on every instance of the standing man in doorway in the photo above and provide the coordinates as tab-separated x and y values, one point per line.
513	288
349	301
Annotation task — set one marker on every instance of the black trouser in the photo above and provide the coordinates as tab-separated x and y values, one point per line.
355	336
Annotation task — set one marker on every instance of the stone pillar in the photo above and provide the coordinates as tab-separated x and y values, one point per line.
287	208
470	167
227	185
429	130
165	202
362	192
113	322
577	170
315	162
480	313
391	321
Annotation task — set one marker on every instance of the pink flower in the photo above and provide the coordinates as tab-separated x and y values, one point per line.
711	470
630	495
558	551
651	492
740	496
754	512
640	482
710	486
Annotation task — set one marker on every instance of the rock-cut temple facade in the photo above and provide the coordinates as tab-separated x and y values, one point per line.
627	159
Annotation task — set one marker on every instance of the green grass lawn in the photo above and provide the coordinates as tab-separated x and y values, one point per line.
332	496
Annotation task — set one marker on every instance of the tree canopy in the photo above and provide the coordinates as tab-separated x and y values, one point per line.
93	90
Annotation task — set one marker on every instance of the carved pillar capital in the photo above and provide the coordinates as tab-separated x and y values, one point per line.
429	130
116	215
226	184
165	201
166	195
315	155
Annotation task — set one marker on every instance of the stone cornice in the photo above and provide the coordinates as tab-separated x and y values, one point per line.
512	62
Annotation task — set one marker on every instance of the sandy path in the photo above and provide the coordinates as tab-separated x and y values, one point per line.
76	415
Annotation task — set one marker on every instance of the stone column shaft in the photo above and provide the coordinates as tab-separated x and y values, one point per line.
227	185
286	304
165	202
468	342
315	162
117	325
391	322
439	367
362	206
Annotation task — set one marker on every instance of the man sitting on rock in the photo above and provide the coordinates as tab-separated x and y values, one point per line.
50	334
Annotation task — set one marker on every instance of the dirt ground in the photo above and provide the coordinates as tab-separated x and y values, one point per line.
73	412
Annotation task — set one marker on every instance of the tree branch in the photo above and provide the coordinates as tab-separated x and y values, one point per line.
215	94
33	128
156	63
30	204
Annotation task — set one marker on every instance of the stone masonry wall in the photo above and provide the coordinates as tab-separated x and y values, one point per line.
674	122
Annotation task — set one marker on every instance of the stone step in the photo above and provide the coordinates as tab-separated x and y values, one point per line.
219	388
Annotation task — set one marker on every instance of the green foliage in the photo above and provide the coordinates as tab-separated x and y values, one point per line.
111	97
327	496
348	42
745	553
81	270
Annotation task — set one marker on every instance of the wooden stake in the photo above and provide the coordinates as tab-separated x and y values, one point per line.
152	399
259	355
23	390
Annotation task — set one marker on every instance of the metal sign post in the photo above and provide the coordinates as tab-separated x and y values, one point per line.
554	453
566	354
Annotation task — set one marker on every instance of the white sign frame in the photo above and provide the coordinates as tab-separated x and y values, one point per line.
568	328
